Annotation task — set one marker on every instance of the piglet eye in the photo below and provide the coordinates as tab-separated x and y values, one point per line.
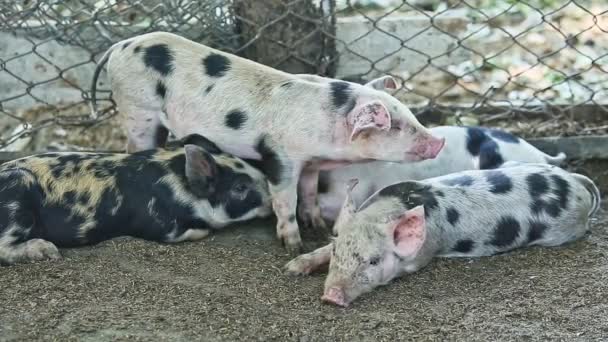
240	190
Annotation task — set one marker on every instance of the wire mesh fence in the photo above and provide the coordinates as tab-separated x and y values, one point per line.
539	67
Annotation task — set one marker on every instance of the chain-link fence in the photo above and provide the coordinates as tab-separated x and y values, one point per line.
539	67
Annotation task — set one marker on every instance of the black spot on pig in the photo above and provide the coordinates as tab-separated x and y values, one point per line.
177	165
57	170
500	182
506	232
452	215
551	207
340	93
412	194
63	225
475	138
161	135
161	90
286	85
464	246
503	136
208	89
555	204
536	231
562	190
291	218
216	65
439	193
271	163
239	165
489	157
479	144
323	183
124	46
69	198
235	119
84	198
159	58
458	181
538	185
137	49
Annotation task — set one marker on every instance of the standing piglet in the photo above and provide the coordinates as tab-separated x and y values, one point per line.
289	122
167	195
466	148
468	214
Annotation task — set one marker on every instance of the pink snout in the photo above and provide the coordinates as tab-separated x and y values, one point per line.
335	295
428	148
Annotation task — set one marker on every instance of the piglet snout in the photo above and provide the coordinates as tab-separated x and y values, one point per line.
428	148
335	295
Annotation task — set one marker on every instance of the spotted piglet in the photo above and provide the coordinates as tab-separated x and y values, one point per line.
167	195
466	148
468	214
162	82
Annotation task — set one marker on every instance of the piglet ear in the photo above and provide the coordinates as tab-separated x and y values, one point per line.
201	170
348	207
409	232
369	116
382	83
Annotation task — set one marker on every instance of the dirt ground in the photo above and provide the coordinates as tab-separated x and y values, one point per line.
231	287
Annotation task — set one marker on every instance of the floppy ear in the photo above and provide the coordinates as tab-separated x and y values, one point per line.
201	170
369	116
382	83
409	232
348	206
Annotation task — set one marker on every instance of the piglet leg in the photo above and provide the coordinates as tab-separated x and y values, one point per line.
309	262
144	129
284	203
308	209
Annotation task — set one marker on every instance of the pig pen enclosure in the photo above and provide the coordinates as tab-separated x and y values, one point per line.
536	68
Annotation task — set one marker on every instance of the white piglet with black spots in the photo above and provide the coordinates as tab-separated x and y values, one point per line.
466	148
293	124
468	214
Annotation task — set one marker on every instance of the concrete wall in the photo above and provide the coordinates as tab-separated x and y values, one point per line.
397	43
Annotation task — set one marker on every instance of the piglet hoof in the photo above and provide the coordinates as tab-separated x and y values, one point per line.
289	235
302	265
314	222
39	249
305	218
319	223
293	248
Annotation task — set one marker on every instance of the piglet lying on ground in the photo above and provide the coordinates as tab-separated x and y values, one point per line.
466	148
165	195
473	213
